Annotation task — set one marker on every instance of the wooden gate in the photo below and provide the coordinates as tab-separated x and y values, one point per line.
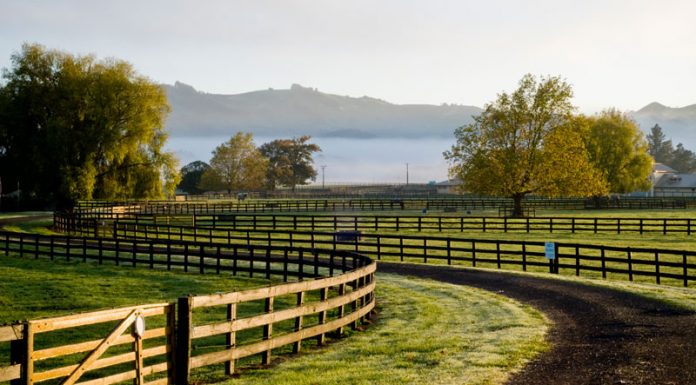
118	357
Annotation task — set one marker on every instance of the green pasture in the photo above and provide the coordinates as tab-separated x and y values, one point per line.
415	337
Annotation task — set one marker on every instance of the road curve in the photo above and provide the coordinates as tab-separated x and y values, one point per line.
600	336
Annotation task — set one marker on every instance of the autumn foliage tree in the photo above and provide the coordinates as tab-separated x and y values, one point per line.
73	127
236	165
526	142
618	151
290	161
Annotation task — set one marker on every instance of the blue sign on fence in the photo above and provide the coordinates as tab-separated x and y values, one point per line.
550	250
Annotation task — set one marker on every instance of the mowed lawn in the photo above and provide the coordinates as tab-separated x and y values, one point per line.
424	332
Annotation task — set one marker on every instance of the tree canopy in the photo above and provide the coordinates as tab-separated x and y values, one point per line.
236	165
662	150
618	150
191	175
290	161
526	142
73	127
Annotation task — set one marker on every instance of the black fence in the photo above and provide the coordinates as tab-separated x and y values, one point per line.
448	223
251	259
678	266
460	204
101	223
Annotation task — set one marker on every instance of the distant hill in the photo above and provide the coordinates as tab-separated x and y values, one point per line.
306	111
678	124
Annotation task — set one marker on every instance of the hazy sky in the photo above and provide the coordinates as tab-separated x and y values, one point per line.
616	53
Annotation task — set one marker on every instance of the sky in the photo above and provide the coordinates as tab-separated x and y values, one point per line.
616	53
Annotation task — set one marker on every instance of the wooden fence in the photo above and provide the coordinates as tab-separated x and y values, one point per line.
100	223
376	204
678	266
445	223
170	346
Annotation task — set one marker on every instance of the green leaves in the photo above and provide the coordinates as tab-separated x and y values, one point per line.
618	150
290	161
78	128
236	165
524	143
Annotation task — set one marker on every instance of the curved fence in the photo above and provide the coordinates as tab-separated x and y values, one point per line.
420	223
335	290
675	266
378	204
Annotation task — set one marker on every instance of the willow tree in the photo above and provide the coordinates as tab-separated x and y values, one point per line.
525	142
619	151
73	127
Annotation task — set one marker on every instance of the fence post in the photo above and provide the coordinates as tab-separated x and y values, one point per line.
183	339
604	263
630	264
497	253
297	346
657	267
324	292
21	351
473	253
524	256
686	276
342	308
267	332
231	338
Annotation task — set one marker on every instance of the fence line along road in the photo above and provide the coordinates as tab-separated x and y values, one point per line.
420	223
676	266
168	340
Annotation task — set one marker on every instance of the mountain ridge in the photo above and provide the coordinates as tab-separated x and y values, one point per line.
301	110
306	111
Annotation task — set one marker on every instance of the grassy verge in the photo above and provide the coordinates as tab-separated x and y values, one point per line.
426	333
31	289
417	337
27	222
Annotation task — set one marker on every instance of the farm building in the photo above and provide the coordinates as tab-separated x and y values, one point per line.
675	184
449	186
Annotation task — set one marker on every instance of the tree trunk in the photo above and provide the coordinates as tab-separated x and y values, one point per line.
517	211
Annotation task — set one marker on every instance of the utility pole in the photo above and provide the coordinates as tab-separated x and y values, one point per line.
406	174
323	167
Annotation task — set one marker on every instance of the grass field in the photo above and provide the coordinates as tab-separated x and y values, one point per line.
416	337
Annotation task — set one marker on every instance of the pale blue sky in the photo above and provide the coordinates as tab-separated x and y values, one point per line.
616	53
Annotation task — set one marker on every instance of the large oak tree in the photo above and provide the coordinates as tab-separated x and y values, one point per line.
525	142
290	161
73	127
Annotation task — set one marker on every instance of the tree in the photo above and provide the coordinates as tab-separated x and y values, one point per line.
72	127
619	152
660	148
290	161
236	165
525	143
683	160
191	177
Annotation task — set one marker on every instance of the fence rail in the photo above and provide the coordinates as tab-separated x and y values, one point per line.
377	204
100	223
340	293
447	223
678	266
